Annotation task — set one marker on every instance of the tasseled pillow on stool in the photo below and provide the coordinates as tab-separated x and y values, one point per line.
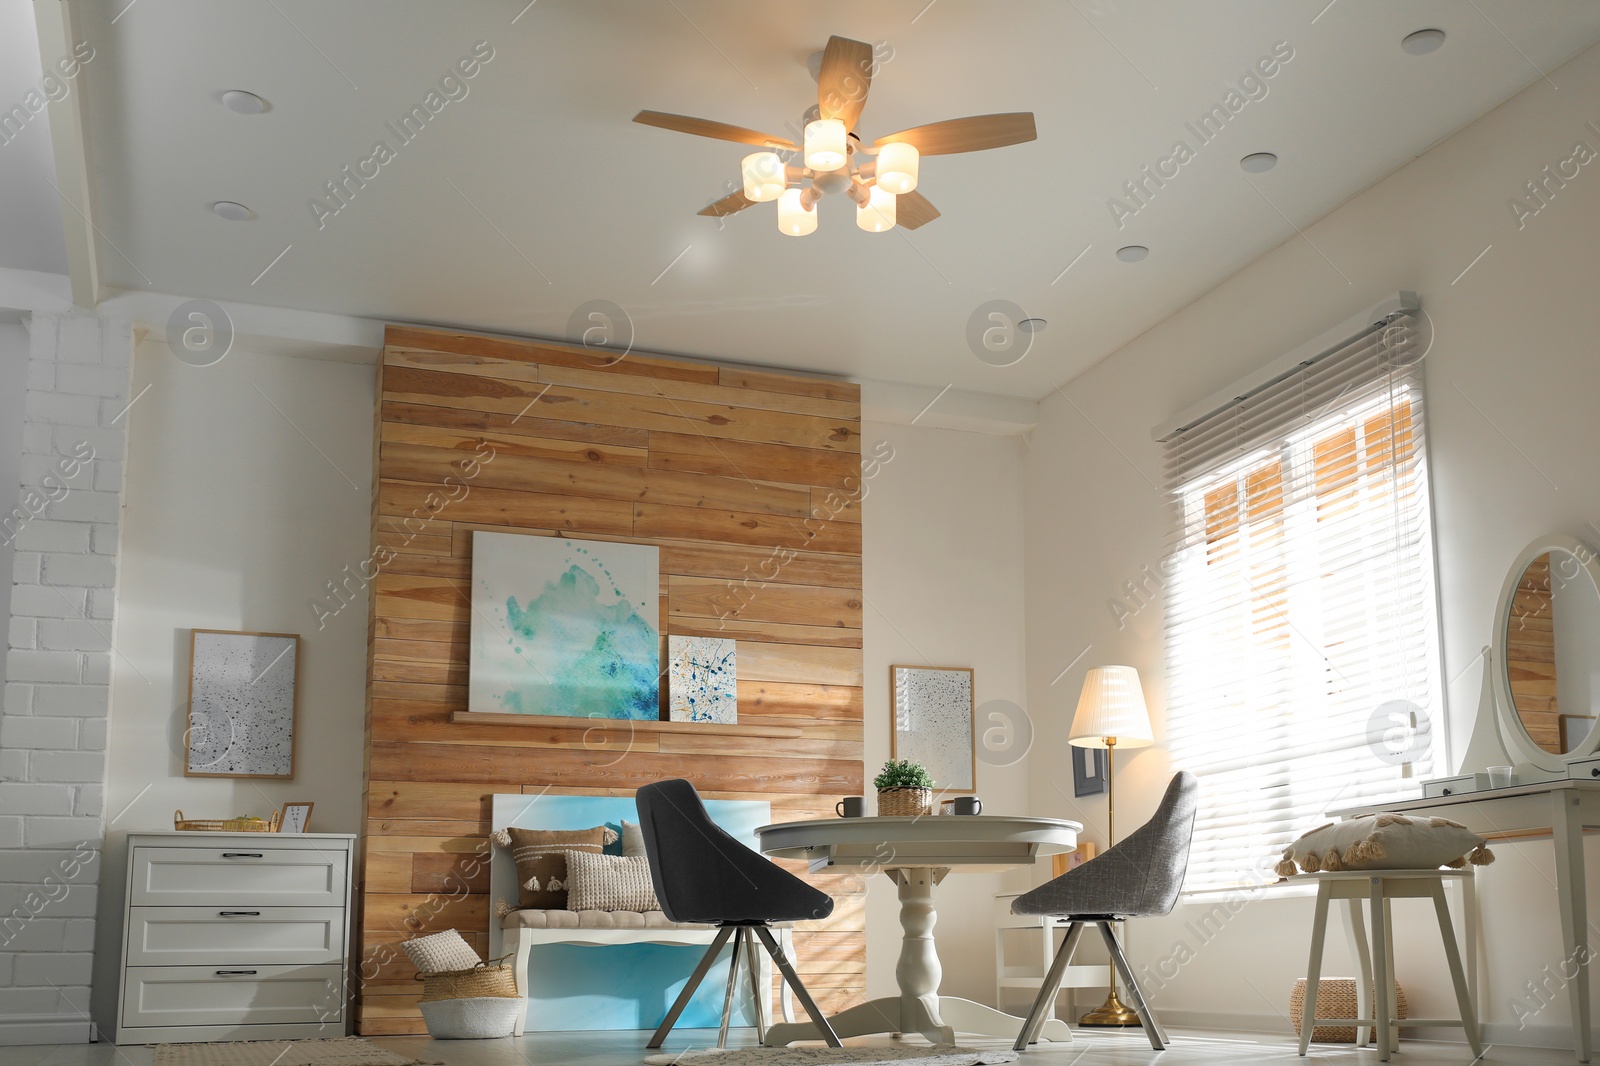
1386	842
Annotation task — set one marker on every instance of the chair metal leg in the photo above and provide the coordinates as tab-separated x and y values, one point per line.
1047	991
1152	1028
733	986
761	990
695	978
818	1019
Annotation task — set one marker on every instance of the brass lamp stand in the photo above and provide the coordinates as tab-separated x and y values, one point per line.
1111	710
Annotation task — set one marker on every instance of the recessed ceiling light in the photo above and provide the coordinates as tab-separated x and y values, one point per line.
232	212
1422	42
1132	253
1032	325
1258	162
243	103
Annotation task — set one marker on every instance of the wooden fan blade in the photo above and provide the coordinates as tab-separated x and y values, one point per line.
734	201
844	79
704	127
912	209
973	134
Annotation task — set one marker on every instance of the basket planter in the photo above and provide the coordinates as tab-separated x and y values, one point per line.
489	979
901	802
1336	998
473	1018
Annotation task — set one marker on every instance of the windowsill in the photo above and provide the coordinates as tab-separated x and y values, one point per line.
1274	890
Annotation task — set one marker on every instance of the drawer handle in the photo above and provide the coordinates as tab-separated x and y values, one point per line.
1445	791
235	973
242	855
1594	771
239	914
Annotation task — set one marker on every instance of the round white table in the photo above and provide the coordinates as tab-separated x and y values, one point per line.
917	853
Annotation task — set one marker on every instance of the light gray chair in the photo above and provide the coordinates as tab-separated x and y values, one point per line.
1139	877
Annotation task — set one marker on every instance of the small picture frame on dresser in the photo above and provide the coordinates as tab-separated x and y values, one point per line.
296	818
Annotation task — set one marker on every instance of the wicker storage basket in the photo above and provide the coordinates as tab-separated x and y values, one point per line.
900	802
474	1018
1336	998
225	825
488	979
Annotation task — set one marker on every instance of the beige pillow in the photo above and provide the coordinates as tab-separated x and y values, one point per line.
632	839
541	858
609	883
1386	842
444	952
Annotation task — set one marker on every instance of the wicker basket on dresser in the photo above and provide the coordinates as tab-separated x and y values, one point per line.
235	936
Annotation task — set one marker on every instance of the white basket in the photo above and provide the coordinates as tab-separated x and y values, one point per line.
478	1018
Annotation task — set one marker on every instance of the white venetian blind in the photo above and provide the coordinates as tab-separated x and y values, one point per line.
1302	648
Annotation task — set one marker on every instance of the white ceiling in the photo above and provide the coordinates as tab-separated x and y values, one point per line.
535	193
30	229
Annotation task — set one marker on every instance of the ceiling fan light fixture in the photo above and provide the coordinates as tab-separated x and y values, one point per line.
764	178
795	217
877	215
897	167
825	144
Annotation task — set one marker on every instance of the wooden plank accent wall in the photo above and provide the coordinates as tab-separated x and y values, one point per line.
737	476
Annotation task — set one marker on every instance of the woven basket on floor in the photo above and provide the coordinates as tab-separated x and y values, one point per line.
476	1018
902	802
1336	998
488	979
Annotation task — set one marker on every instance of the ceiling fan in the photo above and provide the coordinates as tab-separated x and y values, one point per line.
883	189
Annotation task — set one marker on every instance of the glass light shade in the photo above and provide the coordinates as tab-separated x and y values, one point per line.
877	214
763	177
793	218
1112	705
825	144
897	167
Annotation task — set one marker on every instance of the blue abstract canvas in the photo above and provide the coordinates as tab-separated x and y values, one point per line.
564	627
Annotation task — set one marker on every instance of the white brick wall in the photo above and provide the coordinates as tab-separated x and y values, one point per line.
57	673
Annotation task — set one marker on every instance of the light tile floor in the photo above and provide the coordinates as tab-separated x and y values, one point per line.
1188	1048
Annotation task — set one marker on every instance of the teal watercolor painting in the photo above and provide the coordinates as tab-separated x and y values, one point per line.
703	679
564	627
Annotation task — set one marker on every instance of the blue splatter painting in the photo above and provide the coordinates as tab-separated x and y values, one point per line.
704	679
564	627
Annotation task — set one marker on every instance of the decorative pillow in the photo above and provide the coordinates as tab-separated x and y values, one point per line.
1386	842
441	953
541	858
610	883
632	839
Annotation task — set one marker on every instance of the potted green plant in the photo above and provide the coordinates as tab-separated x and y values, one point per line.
904	788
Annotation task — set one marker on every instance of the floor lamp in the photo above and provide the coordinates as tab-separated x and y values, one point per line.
1111	712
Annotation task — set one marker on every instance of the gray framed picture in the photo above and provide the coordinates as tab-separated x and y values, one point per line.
242	699
1088	771
933	723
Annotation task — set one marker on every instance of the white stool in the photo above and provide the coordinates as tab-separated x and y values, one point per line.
1379	887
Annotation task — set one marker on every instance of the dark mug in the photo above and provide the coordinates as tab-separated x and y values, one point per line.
966	805
851	807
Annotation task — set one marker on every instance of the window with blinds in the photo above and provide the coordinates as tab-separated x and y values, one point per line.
1302	631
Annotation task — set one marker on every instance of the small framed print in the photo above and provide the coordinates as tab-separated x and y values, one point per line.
296	818
1088	771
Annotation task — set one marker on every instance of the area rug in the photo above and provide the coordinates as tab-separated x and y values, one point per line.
934	1055
347	1051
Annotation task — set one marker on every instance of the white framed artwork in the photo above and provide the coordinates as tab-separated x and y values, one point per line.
703	679
242	704
933	716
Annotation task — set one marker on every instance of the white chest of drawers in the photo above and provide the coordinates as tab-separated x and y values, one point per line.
235	936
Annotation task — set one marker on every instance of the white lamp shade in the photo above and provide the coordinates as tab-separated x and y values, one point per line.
763	177
1112	705
793	218
825	144
897	167
877	214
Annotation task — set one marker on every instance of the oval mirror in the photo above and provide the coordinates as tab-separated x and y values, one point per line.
1549	632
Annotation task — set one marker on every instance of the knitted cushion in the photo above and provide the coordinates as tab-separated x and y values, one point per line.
632	839
541	858
1386	842
609	883
441	953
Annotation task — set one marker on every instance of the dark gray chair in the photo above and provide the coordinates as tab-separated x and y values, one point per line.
703	875
1139	877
